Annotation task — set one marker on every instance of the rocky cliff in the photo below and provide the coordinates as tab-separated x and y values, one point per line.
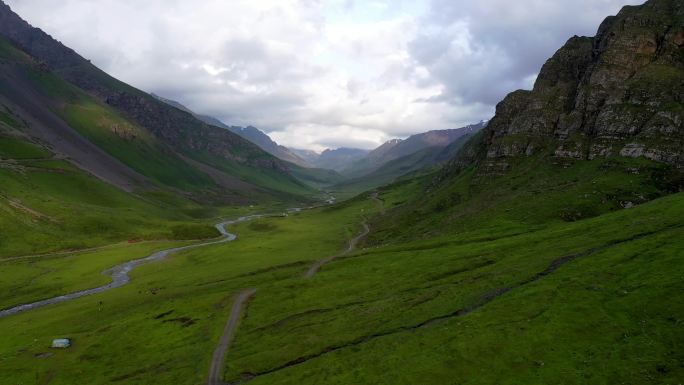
620	93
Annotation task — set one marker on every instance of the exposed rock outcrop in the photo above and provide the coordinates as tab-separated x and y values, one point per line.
618	93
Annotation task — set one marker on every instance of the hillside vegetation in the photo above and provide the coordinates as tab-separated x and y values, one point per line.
546	250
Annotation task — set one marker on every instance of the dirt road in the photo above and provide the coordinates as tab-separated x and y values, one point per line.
216	367
351	246
352	243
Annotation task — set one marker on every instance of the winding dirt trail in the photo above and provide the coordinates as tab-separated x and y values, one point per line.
216	367
350	247
217	362
352	242
119	273
380	202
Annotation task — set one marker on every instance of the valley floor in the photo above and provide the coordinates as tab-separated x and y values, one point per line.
595	301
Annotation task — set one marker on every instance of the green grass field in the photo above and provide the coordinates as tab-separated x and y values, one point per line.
173	310
474	307
132	145
391	314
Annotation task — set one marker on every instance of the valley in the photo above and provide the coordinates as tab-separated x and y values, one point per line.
542	246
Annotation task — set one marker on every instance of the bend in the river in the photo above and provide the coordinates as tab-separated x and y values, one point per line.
119	273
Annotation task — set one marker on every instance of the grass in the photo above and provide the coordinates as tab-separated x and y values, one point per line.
39	277
172	312
8	119
618	308
16	148
610	316
48	205
537	190
132	145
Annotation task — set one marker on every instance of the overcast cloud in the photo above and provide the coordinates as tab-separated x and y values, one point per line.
316	73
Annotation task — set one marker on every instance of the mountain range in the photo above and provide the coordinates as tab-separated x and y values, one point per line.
143	244
397	148
417	152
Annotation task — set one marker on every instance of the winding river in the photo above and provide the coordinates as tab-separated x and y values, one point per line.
119	273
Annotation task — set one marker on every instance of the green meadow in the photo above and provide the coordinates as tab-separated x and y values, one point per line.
589	301
163	326
597	301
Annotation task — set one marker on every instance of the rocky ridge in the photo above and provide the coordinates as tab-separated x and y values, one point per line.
620	93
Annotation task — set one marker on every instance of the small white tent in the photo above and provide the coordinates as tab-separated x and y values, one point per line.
61	343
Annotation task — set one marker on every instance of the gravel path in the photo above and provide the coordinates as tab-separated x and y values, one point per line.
216	368
352	244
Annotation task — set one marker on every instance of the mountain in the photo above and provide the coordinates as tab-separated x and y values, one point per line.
514	263
397	148
618	94
264	141
409	166
384	150
602	130
339	158
308	156
250	133
121	134
299	168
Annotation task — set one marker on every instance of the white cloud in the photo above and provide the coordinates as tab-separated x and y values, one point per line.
323	73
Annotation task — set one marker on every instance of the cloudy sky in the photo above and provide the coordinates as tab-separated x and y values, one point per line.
324	73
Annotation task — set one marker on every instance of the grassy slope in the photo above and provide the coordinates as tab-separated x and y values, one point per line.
135	147
537	191
316	177
132	145
281	185
389	172
106	128
410	166
471	238
47	204
612	316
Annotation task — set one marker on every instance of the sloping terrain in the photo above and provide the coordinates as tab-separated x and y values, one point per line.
396	148
250	133
308	156
264	141
134	116
338	159
47	204
423	161
516	263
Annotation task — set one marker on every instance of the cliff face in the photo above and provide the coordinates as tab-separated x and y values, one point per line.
618	93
